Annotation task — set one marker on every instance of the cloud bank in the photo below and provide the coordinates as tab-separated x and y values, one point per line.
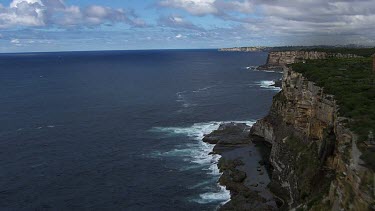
48	13
288	17
34	25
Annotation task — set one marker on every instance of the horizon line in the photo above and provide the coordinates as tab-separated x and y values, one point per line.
170	49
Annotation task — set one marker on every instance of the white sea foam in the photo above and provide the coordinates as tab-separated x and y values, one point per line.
268	85
185	101
182	99
197	130
267	71
251	68
203	89
255	68
180	96
48	126
197	153
270	71
222	195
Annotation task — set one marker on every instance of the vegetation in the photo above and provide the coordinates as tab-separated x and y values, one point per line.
352	82
307	164
365	52
360	51
314	180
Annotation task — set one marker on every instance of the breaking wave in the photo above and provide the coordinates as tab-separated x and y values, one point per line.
197	153
268	85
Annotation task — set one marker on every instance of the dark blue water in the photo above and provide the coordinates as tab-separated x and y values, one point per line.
120	130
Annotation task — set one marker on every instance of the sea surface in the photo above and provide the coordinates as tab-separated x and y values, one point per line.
121	130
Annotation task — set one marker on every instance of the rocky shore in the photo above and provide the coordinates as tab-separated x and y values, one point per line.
244	167
301	156
270	67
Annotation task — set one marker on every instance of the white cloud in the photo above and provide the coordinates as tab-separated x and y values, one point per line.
15	41
179	36
343	19
207	7
196	7
37	13
15	3
246	6
22	13
175	21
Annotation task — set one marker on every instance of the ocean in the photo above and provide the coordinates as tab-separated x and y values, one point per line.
121	130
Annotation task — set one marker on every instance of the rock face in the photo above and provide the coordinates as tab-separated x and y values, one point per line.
315	156
228	135
290	57
244	49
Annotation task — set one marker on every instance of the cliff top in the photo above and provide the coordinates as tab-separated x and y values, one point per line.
353	84
360	51
365	52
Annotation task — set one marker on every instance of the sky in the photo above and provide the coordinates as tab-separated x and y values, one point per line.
80	25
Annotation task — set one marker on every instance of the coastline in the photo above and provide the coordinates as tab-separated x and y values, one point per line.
317	160
310	146
244	167
243	161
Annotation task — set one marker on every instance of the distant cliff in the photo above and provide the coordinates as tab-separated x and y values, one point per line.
245	49
316	161
290	57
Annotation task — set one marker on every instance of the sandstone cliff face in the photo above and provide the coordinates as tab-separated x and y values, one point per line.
244	49
289	57
315	157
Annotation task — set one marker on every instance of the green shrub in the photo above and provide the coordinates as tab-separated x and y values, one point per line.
365	52
352	82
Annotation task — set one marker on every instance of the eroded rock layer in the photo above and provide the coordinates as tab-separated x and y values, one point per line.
290	57
314	155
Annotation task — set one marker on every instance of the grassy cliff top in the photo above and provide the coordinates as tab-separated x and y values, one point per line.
353	84
365	52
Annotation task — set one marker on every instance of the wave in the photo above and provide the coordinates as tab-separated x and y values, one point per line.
182	99
197	131
223	195
203	89
181	96
268	85
269	71
197	153
41	127
255	68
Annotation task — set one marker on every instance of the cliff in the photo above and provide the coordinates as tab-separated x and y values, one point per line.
290	57
245	49
316	161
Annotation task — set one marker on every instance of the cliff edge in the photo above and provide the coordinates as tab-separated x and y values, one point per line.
290	57
316	162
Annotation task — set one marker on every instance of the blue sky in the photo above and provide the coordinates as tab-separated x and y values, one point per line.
70	25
